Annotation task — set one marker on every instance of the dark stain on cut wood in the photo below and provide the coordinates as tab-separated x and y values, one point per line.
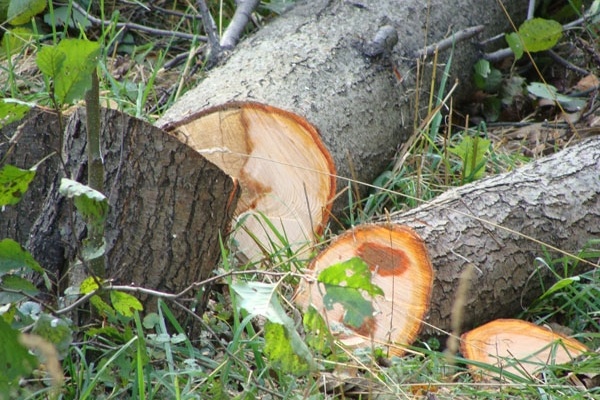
383	260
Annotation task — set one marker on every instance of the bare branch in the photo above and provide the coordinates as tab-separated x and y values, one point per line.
238	23
448	42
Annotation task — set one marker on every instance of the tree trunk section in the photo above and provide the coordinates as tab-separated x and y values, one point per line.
168	204
316	62
500	225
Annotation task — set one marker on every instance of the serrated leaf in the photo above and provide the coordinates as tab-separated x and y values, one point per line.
92	204
15	284
13	256
75	77
353	273
15	359
261	299
472	152
124	303
14	182
50	61
21	11
88	285
280	352
55	330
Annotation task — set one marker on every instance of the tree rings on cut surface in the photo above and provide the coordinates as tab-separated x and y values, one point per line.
399	265
286	174
516	347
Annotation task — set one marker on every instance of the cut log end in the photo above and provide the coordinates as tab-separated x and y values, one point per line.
399	265
516	347
286	174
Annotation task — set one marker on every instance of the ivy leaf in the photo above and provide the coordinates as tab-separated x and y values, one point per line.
15	359
14	182
124	303
13	256
353	273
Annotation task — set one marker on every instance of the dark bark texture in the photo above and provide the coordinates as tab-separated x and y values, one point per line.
168	204
499	224
318	61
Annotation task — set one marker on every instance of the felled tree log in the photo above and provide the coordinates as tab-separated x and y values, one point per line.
286	175
336	65
500	225
168	204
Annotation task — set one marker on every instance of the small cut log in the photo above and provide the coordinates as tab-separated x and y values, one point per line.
399	265
516	347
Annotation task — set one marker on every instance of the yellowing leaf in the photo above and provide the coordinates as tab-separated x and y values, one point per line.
124	303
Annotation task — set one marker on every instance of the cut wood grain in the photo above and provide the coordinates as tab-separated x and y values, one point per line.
399	265
287	176
516	347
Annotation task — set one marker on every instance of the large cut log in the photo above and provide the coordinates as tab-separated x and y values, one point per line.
319	61
168	204
500	225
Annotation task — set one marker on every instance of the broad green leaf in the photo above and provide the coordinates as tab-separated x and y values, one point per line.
21	11
104	309
15	359
151	321
50	61
549	92
353	273
75	77
534	35
88	285
92	204
515	43
14	182
486	77
124	303
540	34
15	283
472	151
14	40
13	256
55	330
344	284
261	299
280	352
12	110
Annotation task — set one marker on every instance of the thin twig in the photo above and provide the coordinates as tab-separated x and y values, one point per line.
210	28
137	27
566	63
448	42
241	17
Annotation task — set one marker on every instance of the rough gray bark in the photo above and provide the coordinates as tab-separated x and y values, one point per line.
313	61
555	201
168	204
